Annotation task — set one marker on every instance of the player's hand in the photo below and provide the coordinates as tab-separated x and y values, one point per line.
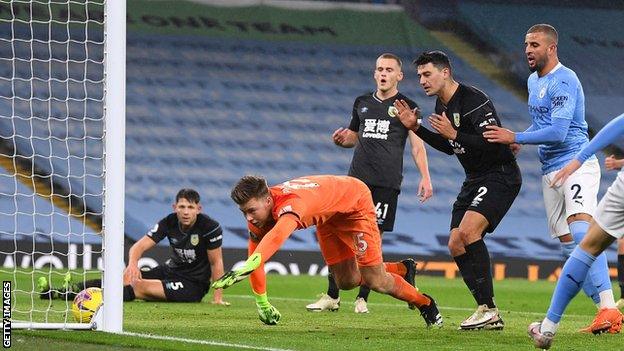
442	125
496	134
515	148
611	163
267	313
564	173
236	275
407	116
132	273
425	189
340	136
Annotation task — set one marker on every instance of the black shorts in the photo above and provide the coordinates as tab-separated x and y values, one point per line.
385	200
490	195
177	288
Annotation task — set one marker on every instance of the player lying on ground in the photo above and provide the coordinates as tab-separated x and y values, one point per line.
608	225
196	257
342	210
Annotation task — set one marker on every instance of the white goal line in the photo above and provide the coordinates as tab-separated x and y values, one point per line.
202	342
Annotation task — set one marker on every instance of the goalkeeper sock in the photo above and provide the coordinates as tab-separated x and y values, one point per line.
332	288
396	268
128	293
465	268
405	292
482	269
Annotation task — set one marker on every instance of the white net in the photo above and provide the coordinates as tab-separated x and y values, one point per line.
51	150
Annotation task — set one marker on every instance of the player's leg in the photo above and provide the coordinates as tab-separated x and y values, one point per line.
580	194
491	199
340	260
555	205
620	270
608	225
470	232
331	300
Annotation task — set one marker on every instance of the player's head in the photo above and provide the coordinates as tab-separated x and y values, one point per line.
252	196
388	73
434	71
187	207
540	46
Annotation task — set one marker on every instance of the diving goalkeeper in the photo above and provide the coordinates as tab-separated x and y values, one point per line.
342	209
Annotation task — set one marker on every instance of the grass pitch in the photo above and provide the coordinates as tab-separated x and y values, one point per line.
390	325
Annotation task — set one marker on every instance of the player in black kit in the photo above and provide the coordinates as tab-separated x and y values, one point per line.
196	257
379	140
492	181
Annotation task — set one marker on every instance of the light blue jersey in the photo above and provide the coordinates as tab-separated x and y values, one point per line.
556	101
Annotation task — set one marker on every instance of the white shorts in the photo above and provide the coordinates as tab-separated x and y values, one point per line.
610	212
577	195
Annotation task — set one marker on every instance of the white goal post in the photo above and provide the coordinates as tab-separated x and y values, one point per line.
62	155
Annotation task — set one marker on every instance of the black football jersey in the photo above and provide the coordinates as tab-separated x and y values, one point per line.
189	256
378	156
469	112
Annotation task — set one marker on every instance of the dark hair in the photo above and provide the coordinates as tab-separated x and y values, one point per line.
546	29
438	58
249	187
189	194
388	55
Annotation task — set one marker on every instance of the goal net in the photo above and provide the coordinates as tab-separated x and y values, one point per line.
62	126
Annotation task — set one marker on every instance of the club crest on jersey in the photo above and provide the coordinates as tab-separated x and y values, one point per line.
194	239
392	111
363	109
542	92
456	119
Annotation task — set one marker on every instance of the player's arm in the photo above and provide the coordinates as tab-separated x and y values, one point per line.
270	243
419	154
267	313
607	135
345	137
348	137
410	117
215	258
481	116
563	103
132	272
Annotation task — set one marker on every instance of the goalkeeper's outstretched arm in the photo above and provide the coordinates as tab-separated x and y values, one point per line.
268	245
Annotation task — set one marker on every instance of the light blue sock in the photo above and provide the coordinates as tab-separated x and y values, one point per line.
599	271
588	287
570	282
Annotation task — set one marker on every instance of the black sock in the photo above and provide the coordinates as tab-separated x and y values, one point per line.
128	293
464	264
332	288
482	269
364	292
620	270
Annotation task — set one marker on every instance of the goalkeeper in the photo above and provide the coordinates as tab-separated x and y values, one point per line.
342	209
196	257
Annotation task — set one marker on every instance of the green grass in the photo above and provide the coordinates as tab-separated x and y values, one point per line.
389	325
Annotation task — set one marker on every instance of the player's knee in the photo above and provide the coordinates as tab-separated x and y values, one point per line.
455	246
347	282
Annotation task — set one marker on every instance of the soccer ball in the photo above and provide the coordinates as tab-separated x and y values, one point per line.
86	303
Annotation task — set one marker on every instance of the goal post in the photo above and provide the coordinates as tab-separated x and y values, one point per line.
62	156
115	134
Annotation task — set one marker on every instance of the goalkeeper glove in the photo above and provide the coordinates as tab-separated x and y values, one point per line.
267	313
236	275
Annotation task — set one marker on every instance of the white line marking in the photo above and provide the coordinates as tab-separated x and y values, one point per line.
202	342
